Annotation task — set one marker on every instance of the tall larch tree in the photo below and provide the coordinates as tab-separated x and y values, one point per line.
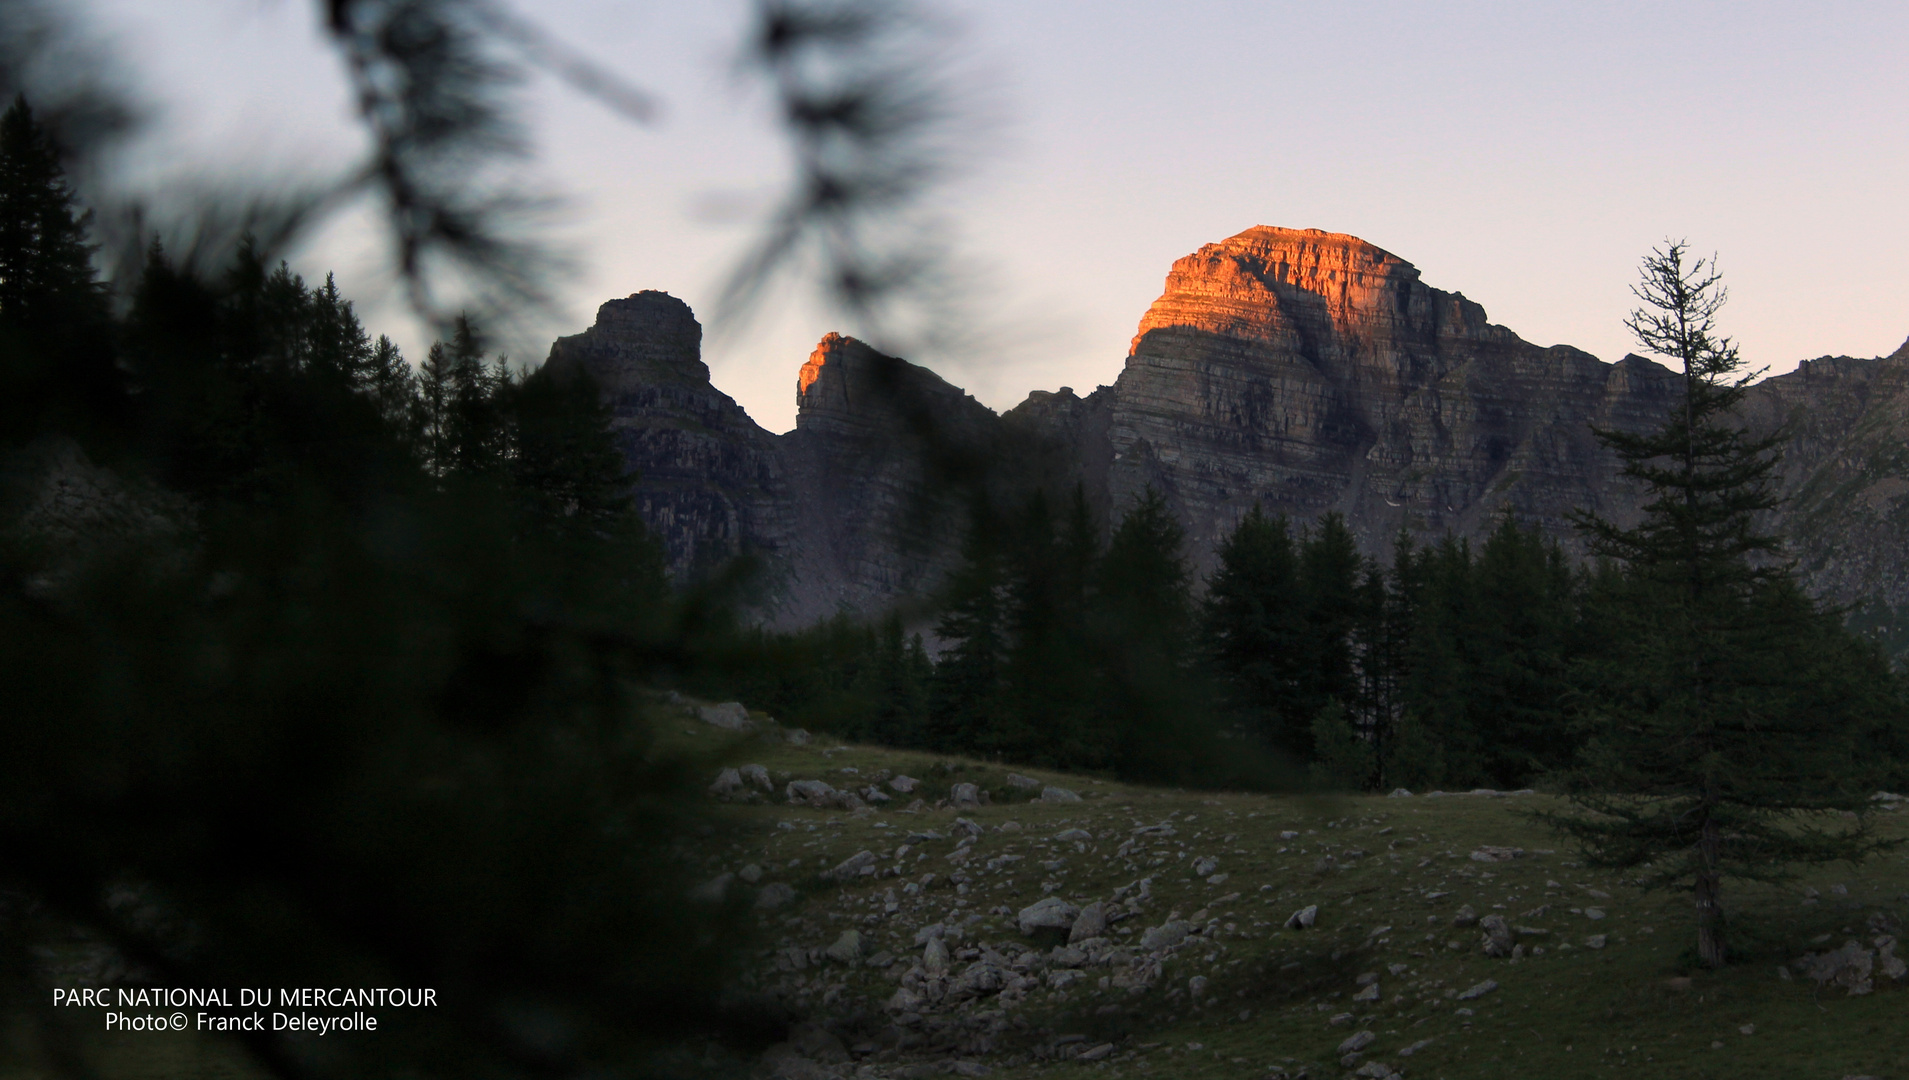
1724	722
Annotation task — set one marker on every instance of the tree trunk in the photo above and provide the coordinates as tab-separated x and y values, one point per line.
1710	943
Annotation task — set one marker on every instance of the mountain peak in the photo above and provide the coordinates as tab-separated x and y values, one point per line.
1281	285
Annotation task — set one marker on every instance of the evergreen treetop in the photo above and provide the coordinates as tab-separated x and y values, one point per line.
1723	728
46	264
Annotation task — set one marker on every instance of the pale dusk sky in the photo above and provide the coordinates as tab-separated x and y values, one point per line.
1527	154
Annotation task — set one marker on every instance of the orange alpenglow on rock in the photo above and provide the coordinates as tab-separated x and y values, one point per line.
831	344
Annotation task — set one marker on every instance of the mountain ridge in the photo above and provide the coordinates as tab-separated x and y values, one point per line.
1302	370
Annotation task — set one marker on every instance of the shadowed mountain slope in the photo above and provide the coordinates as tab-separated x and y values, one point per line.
1303	370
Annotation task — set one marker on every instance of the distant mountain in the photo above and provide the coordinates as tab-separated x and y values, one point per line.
1303	370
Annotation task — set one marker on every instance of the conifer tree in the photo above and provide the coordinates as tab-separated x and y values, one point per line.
337	347
970	677
464	430
565	461
1400	746
1723	727
1525	611
1048	720
56	352
898	687
1330	571
1251	628
46	264
1151	705
1440	656
392	386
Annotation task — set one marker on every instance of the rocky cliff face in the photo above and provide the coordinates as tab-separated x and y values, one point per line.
1310	371
876	441
711	483
1845	471
838	514
1303	370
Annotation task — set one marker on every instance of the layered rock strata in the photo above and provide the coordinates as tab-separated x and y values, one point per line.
1301	370
1311	371
710	483
839	514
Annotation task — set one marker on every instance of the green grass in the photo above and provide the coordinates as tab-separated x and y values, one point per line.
1571	1012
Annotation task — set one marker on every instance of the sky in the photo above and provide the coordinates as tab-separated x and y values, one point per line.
1527	154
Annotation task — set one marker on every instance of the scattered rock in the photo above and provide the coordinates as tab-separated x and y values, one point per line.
1488	853
1025	783
783	1062
1196	986
810	793
1595	941
1886	959
1066	956
847	948
796	737
1357	1041
1303	918
729	716
979	980
712	891
1465	917
1497	935
1205	865
1399	793
1478	990
1050	913
964	795
1091	923
774	895
1593	914
1074	835
1408	1051
851	866
1052	794
818	1043
1850	967
727	782
1166	935
963	825
1098	1053
934	956
750	874
903	785
757	777
1370	993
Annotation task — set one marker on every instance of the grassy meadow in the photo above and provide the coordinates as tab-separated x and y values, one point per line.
1388	875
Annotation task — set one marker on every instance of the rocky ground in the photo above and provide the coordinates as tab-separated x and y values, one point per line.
925	916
